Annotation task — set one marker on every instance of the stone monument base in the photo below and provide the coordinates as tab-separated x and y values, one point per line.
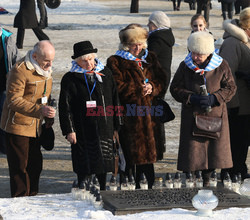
128	202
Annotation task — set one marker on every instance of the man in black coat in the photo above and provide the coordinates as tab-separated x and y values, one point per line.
26	19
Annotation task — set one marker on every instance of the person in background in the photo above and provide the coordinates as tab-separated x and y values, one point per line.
227	7
161	40
87	114
140	80
206	6
178	6
236	51
191	4
43	14
8	57
26	19
198	23
203	67
28	90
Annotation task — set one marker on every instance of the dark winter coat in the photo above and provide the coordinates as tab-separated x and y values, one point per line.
93	152
236	50
142	137
10	55
198	153
161	42
26	17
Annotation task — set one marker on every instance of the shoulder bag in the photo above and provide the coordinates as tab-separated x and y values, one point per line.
207	126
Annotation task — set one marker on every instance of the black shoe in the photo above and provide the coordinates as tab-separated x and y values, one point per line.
19	46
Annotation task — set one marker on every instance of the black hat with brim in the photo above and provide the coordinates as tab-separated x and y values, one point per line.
82	48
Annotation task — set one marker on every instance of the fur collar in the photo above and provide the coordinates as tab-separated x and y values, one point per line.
232	29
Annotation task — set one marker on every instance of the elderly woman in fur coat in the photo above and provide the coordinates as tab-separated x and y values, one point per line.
236	51
140	80
203	149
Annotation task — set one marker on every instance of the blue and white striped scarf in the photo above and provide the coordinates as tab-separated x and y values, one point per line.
98	67
215	61
128	56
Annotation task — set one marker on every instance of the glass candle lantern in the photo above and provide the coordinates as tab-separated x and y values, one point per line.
205	201
245	188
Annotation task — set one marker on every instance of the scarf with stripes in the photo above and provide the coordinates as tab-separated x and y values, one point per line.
98	67
215	61
128	56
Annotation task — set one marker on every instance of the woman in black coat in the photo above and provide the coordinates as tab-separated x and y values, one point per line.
26	19
161	40
88	114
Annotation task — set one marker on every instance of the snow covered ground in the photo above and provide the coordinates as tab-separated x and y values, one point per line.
100	22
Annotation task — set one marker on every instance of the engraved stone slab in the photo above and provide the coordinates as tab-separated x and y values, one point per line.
125	202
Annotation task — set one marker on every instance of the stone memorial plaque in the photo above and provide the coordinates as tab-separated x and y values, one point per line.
125	202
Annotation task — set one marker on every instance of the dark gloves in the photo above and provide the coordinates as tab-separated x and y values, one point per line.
203	101
245	76
209	100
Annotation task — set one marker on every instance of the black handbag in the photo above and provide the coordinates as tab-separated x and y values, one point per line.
47	138
167	114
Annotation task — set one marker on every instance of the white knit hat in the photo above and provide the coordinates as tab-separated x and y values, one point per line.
160	19
201	42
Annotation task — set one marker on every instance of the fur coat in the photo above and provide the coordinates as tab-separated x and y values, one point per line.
142	136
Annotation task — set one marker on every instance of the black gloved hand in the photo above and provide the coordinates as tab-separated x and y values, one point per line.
207	101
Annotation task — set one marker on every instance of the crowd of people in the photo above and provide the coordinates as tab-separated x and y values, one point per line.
101	105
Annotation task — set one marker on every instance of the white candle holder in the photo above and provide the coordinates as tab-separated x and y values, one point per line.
205	201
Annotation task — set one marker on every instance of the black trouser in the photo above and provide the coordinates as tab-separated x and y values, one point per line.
25	162
43	13
239	138
178	4
38	32
227	8
136	171
148	170
203	5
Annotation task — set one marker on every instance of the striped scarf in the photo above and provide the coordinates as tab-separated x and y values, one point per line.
215	61
98	67
128	56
